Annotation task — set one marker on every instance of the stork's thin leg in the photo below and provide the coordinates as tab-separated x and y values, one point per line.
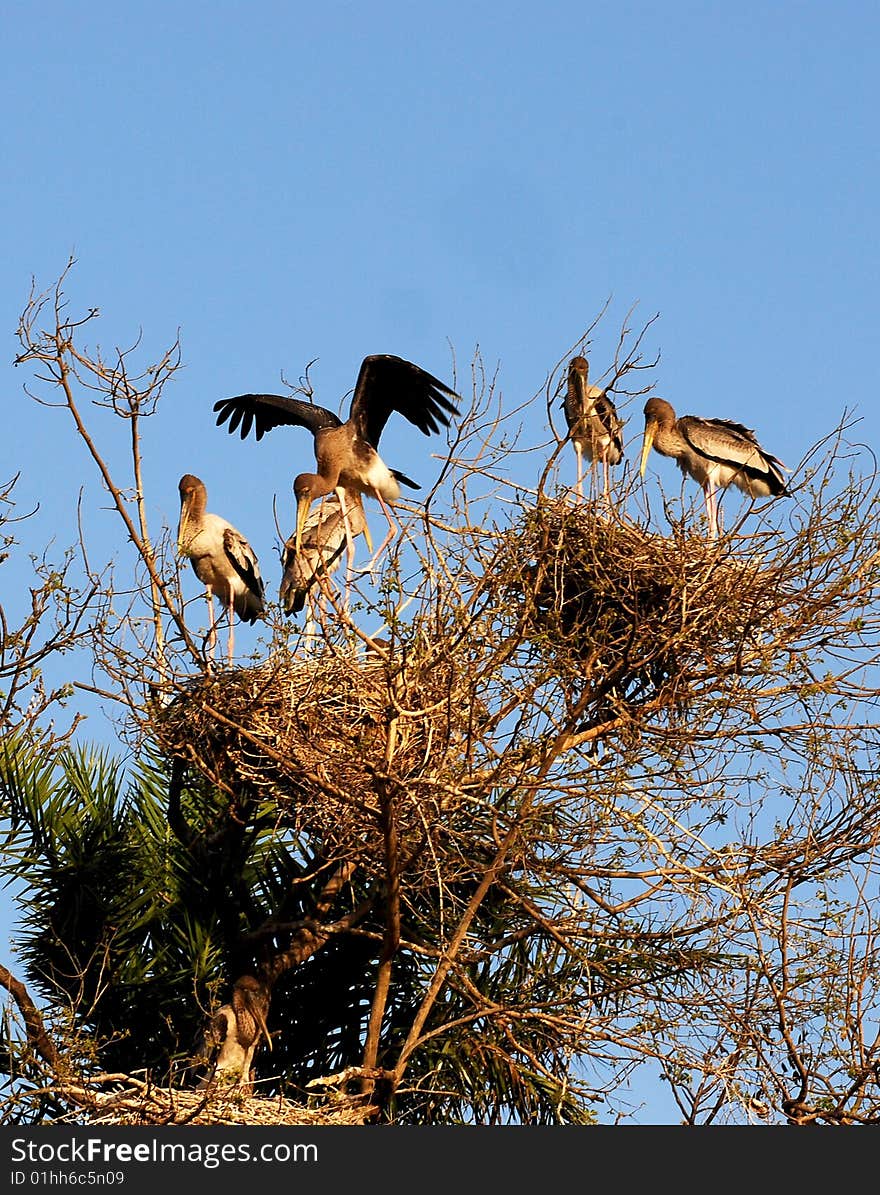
212	626
392	531
349	547
606	480
325	596
310	619
321	608
580	473
712	510
230	642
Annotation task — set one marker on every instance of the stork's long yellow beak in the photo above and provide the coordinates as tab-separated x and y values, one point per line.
648	441
303	506
368	538
261	1021
182	537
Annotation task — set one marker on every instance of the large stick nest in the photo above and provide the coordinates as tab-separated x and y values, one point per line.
330	739
629	614
131	1101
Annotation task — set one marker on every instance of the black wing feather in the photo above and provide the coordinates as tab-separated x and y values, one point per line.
772	473
386	383
611	421
241	556
738	429
265	411
402	477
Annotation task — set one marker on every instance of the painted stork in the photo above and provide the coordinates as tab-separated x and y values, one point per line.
716	453
593	423
346	453
231	1038
323	540
222	559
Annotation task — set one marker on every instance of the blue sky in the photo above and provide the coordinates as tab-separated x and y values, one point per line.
282	182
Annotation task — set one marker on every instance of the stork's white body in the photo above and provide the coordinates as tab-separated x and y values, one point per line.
222	559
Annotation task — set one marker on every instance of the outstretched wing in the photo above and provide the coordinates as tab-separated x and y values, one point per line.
265	411
404	480
385	384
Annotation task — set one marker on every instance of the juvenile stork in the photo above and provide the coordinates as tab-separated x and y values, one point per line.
322	542
222	559
347	453
231	1037
716	453
593	423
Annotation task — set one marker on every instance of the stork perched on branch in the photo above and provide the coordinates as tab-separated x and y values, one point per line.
593	423
222	559
716	453
347	453
323	540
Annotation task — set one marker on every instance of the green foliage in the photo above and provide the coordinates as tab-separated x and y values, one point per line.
117	930
130	936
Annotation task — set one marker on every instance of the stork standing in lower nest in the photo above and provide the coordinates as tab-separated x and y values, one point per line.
231	1038
222	559
716	453
323	539
593	423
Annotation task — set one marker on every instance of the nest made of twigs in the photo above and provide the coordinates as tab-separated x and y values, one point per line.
610	604
131	1101
326	738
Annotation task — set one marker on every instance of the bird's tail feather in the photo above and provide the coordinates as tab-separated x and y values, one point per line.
402	477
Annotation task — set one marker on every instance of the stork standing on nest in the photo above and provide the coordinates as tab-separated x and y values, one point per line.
222	559
347	453
231	1037
593	423
716	453
323	540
